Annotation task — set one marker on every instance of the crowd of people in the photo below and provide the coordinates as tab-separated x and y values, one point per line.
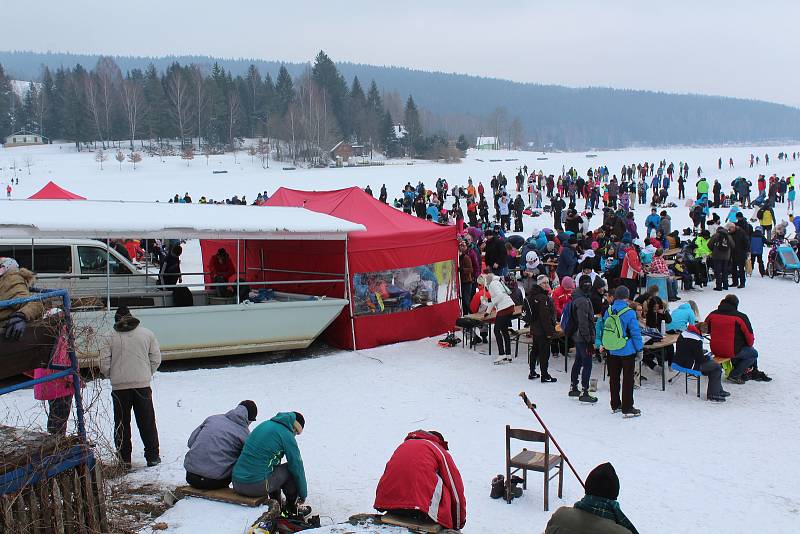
602	287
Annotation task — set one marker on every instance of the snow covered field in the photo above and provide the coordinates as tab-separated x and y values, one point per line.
686	466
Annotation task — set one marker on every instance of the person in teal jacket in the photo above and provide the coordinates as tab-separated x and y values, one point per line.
683	316
259	471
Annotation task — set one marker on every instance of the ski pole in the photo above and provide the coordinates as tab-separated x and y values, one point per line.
532	407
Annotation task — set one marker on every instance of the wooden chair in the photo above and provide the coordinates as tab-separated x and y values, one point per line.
532	461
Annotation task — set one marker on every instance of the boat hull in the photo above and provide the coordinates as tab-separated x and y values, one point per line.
217	330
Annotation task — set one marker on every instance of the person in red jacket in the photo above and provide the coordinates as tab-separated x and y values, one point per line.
221	269
732	337
421	479
562	295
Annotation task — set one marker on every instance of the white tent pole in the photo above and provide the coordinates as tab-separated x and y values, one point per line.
238	268
347	293
108	275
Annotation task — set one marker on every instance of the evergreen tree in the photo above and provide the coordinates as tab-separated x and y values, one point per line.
358	111
51	105
414	138
284	92
391	147
462	144
327	77
28	118
252	97
156	121
7	105
77	126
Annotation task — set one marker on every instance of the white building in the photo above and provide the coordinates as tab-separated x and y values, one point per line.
24	138
486	143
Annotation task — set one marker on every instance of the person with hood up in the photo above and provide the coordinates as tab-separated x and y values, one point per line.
540	316
622	361
531	270
689	354
502	302
721	245
757	242
215	445
568	258
130	357
421	480
582	321
652	222
562	295
15	283
259	471
598	512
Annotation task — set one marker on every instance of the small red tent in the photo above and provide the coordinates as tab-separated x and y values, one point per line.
53	191
402	271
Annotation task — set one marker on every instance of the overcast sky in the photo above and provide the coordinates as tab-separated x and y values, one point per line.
725	47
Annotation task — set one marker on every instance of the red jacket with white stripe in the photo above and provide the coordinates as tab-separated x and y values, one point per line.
421	475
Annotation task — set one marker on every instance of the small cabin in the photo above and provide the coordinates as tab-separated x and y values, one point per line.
24	138
486	143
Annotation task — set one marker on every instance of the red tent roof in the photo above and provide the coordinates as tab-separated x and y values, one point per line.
55	192
387	227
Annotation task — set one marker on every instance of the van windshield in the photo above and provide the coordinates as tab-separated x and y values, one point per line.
93	261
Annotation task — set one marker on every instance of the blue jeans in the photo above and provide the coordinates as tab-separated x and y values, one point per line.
583	365
745	359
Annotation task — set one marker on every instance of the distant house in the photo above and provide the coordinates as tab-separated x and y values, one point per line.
486	143
344	151
24	138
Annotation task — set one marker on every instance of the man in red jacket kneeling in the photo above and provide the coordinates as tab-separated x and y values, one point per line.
421	479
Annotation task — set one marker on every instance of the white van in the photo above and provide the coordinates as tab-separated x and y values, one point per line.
80	266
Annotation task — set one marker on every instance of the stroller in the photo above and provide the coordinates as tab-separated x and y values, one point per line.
782	260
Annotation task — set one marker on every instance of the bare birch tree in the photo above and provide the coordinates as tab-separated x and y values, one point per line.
180	102
133	104
233	113
100	156
201	99
93	105
109	79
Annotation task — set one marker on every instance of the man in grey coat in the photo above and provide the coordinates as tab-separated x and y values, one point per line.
130	357
582	321
215	446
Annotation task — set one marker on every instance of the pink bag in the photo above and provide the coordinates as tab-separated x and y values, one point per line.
54	389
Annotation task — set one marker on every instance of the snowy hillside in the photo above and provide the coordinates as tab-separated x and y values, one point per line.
687	466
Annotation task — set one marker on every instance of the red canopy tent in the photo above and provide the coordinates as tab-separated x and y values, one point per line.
395	246
52	191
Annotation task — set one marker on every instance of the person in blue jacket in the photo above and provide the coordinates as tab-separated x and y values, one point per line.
652	222
259	471
683	316
757	249
622	361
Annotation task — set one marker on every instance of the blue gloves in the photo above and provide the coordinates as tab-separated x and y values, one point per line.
15	327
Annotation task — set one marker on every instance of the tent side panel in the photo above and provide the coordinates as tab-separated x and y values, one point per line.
419	323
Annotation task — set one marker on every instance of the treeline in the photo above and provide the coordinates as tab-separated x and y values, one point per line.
300	118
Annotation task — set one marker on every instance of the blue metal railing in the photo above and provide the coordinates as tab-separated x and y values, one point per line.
64	371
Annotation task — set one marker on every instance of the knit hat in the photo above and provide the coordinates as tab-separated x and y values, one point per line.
603	482
626	238
585	283
550	246
252	409
531	259
622	293
6	264
299	423
122	311
693	329
542	279
568	283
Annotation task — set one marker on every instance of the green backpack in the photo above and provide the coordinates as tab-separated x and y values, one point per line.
613	334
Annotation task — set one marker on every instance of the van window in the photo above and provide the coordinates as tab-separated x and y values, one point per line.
48	259
93	261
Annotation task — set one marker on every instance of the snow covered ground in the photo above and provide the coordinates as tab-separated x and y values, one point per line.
685	466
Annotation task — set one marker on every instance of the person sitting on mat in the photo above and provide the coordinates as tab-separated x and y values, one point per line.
259	471
215	445
421	480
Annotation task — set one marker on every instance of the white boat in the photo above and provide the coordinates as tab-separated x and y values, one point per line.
213	326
